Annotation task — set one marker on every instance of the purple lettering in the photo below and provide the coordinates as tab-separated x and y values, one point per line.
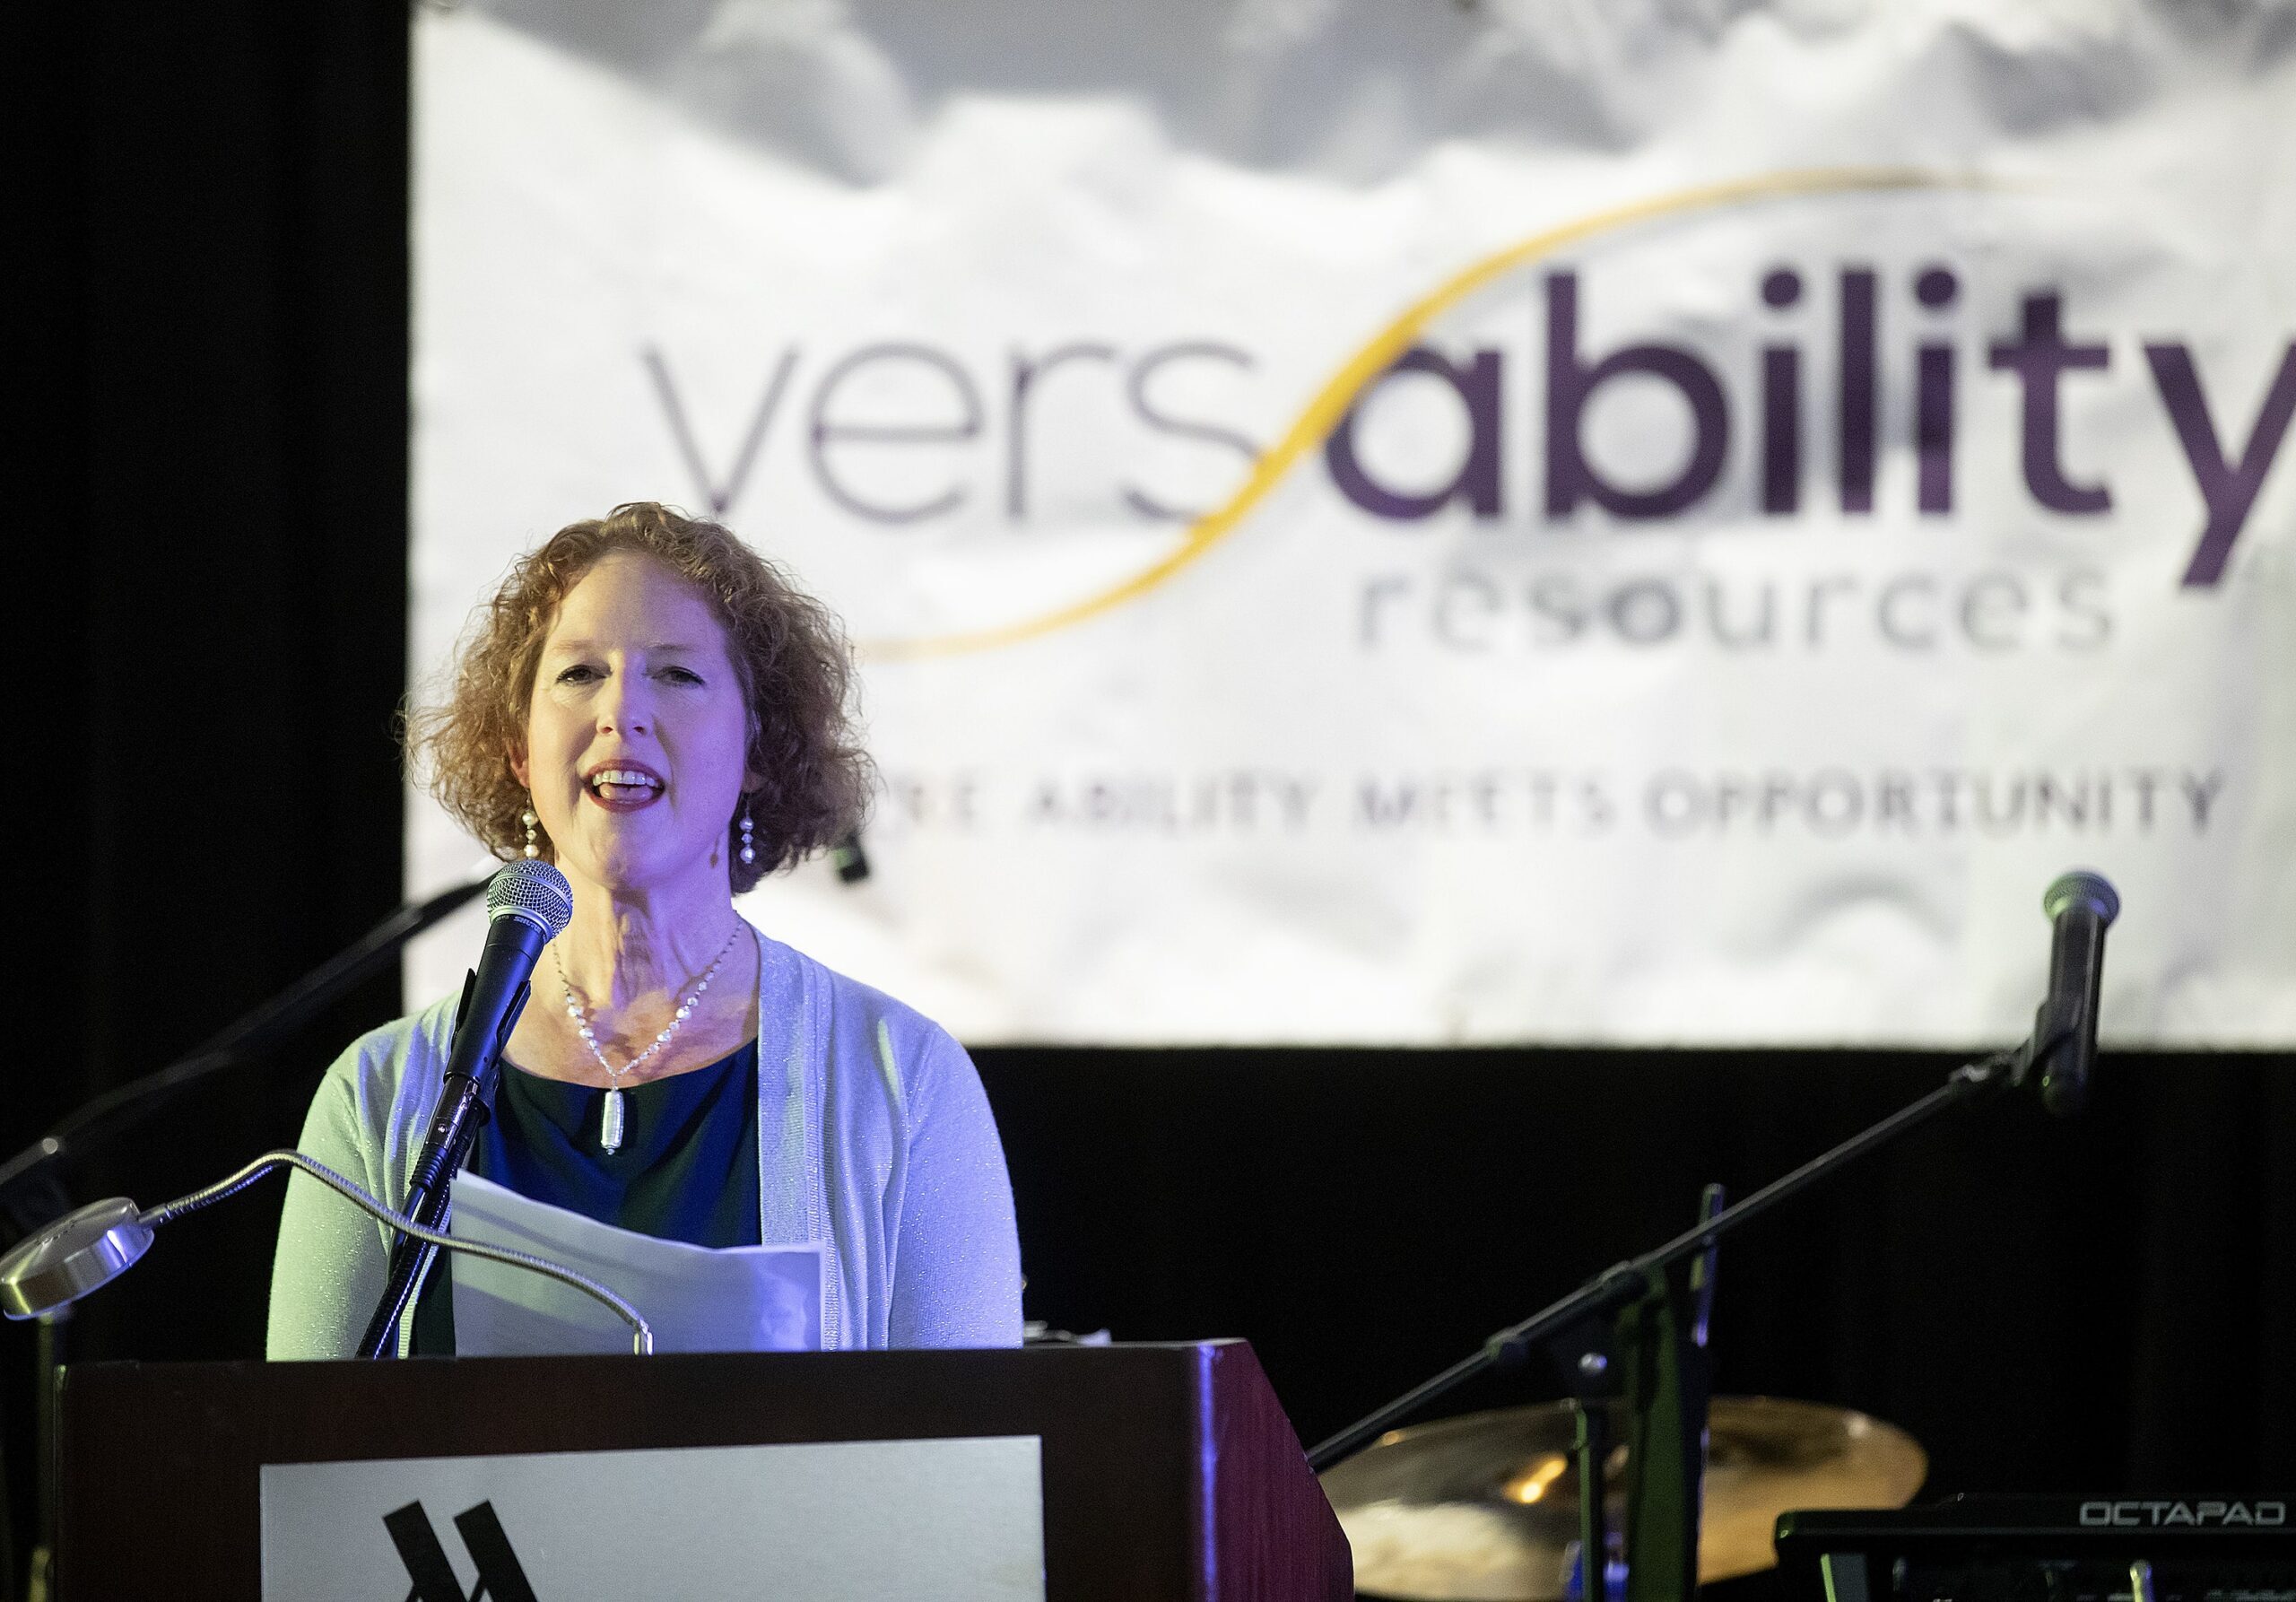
2226	490
1859	379
721	497
1570	478
1933	400
2038	360
1477	478
1186	428
1781	405
827	431
1026	371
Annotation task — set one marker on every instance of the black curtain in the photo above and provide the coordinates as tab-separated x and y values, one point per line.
210	551
2046	1305
208	211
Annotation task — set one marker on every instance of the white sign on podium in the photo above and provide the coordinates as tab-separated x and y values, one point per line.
958	1521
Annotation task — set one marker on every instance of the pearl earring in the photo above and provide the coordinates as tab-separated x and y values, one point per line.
748	842
528	818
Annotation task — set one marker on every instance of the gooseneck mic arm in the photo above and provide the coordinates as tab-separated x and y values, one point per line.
527	904
86	1250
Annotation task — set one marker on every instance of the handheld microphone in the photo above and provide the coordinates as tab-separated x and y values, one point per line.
2063	1047
527	904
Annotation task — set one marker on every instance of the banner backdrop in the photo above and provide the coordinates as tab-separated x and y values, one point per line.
1443	522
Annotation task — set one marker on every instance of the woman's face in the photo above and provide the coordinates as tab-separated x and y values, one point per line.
637	731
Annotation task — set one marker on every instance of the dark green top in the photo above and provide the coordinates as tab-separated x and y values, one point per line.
686	1171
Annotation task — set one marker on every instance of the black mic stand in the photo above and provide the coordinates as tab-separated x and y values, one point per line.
122	1108
1578	1329
465	1105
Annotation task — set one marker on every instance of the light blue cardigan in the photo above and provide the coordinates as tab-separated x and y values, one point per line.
874	1140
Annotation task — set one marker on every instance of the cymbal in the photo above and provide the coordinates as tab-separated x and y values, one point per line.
1484	1508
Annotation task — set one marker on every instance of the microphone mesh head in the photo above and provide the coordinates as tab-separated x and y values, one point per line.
530	889
2079	887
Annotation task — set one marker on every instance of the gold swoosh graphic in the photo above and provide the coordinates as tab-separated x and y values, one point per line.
1331	402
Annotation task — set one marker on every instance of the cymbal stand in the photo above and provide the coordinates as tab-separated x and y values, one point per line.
1592	1392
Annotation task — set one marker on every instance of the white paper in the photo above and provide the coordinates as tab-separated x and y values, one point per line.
696	1298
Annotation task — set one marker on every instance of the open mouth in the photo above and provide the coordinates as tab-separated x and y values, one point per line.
624	788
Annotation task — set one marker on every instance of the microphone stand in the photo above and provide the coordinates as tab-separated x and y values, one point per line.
122	1108
1575	1328
465	1106
30	1189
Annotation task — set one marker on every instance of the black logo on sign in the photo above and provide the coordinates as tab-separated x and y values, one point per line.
500	1577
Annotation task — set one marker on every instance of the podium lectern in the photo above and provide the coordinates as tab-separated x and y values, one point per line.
1168	1473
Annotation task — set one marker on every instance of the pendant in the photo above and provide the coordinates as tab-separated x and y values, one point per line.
610	1125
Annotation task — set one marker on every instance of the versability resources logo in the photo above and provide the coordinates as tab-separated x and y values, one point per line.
1828	366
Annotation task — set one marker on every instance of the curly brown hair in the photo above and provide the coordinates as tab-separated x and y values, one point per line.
789	650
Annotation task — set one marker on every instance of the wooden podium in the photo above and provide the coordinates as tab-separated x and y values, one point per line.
1168	1473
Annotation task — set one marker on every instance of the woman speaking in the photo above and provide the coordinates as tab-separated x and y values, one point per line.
653	708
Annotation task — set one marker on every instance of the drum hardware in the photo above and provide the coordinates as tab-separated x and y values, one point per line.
1485	1507
1649	1316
